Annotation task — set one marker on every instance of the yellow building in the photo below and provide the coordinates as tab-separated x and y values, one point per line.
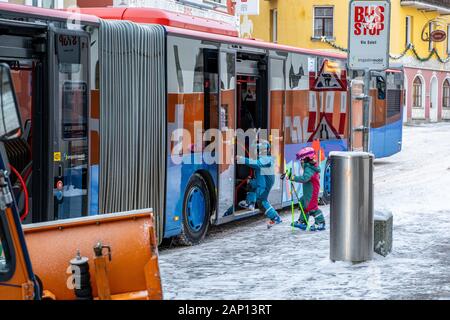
323	24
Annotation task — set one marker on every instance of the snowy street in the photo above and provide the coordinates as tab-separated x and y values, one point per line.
246	261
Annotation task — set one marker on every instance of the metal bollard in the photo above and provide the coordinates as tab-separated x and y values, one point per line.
352	209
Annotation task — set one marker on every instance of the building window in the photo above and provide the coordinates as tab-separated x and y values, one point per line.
408	30
446	95
274	25
323	22
417	93
448	39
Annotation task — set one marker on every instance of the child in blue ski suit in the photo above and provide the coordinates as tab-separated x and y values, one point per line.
263	182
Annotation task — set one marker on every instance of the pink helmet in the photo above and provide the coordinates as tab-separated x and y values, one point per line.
307	152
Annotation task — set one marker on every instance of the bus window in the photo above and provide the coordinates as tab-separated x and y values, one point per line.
211	82
394	94
74	114
381	88
192	69
378	118
23	84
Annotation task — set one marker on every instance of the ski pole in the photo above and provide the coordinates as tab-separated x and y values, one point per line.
292	203
308	227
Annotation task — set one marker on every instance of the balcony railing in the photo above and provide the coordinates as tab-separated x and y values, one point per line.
429	5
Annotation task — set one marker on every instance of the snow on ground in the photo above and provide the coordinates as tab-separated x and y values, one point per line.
247	261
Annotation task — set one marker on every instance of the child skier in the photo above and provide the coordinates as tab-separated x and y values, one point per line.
311	188
263	182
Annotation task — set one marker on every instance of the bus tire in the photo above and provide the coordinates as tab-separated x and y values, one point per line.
196	212
326	196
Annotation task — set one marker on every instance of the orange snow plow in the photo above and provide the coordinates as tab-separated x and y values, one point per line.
120	251
109	257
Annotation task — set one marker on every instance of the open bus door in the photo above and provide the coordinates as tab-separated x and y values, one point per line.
50	69
17	280
69	113
277	98
227	125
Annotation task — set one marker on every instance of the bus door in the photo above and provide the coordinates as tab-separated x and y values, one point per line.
252	122
227	126
69	118
24	50
276	124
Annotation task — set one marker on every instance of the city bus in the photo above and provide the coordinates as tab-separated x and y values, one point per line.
104	94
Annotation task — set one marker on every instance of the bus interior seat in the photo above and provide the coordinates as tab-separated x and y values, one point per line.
19	153
19	156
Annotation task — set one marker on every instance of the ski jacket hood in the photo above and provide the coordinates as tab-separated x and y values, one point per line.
312	167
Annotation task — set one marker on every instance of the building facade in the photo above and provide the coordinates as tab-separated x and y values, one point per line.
419	41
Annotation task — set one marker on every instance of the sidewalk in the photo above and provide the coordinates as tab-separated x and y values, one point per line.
251	262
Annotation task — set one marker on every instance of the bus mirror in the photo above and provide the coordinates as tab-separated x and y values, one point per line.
381	88
10	123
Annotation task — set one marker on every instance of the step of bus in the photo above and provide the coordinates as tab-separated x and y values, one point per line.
246	213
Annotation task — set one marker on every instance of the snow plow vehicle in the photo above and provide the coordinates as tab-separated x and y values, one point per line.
58	240
105	257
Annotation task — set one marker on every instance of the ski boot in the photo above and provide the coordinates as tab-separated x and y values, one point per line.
245	205
300	225
318	227
274	222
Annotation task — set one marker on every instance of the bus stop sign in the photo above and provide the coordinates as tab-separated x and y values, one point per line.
369	33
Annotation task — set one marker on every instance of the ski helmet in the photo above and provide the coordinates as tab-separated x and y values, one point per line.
306	153
262	145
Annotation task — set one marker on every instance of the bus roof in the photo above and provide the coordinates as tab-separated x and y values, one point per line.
165	18
201	28
252	43
46	14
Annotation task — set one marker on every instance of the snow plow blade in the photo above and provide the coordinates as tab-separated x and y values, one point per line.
128	271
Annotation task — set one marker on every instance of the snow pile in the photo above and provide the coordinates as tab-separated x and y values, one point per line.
250	262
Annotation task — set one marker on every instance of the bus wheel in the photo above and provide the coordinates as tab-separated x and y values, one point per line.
326	196
196	212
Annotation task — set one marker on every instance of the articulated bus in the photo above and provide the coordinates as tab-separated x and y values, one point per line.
104	93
